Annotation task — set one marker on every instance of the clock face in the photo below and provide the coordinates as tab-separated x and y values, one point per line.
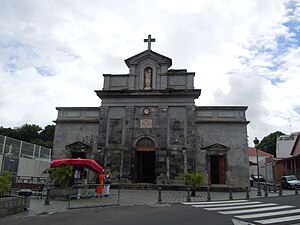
146	111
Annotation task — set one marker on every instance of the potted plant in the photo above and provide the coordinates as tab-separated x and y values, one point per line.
61	177
194	179
10	204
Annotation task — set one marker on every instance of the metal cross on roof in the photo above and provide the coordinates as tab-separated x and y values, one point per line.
149	40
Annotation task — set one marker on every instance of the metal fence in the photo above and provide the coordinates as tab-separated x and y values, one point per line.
23	149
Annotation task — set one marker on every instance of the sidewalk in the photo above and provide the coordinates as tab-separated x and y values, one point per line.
131	198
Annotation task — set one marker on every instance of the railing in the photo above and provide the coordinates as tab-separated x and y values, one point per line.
29	179
87	193
37	185
23	149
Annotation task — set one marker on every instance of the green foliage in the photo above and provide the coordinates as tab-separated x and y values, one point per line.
47	144
13	133
5	183
194	179
32	133
47	133
268	143
29	132
61	175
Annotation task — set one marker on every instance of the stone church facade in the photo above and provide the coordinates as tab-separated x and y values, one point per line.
149	130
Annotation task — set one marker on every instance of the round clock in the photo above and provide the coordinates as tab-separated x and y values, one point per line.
146	111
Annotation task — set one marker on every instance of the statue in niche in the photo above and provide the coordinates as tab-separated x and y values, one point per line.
148	78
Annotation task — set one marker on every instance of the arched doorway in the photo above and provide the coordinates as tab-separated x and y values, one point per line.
145	161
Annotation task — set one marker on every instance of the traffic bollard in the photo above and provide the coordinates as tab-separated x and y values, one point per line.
230	194
247	192
280	190
47	200
266	190
159	195
296	189
188	195
208	194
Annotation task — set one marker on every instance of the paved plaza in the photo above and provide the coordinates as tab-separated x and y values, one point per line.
132	198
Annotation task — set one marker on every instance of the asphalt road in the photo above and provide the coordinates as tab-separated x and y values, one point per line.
175	214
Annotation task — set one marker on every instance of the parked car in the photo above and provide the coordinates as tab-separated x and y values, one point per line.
290	182
255	178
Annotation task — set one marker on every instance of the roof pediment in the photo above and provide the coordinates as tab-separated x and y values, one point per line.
216	146
77	146
160	59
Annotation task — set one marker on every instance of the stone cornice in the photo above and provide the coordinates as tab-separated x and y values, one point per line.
76	121
221	107
216	120
77	108
142	93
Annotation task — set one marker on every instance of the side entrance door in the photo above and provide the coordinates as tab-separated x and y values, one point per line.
217	169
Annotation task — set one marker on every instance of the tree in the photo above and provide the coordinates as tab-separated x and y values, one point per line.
268	143
8	132
47	133
31	133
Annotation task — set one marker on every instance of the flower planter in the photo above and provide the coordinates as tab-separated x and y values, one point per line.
62	193
11	205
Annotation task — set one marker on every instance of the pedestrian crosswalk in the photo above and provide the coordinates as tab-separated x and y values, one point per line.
254	212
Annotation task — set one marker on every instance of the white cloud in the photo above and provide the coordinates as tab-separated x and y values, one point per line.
53	54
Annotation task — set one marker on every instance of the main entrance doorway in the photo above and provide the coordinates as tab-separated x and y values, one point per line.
217	169
145	161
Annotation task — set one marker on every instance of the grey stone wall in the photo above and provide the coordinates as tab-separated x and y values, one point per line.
75	124
229	128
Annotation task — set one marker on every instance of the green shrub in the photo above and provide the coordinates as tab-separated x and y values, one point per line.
194	179
5	183
61	175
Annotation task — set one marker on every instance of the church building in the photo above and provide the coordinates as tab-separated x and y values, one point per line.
149	130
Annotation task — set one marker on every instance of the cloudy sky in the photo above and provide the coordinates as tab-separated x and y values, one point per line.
244	52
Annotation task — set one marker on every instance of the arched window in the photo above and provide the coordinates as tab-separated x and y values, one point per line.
145	144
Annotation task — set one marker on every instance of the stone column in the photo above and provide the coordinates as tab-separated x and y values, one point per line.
184	161
168	168
122	163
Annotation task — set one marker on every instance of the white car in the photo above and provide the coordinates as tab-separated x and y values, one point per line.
290	182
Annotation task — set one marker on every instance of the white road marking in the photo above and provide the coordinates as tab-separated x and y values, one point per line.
256	210
278	220
242	207
227	204
215	202
251	210
284	212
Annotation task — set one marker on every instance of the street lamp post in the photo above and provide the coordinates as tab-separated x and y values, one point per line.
256	141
